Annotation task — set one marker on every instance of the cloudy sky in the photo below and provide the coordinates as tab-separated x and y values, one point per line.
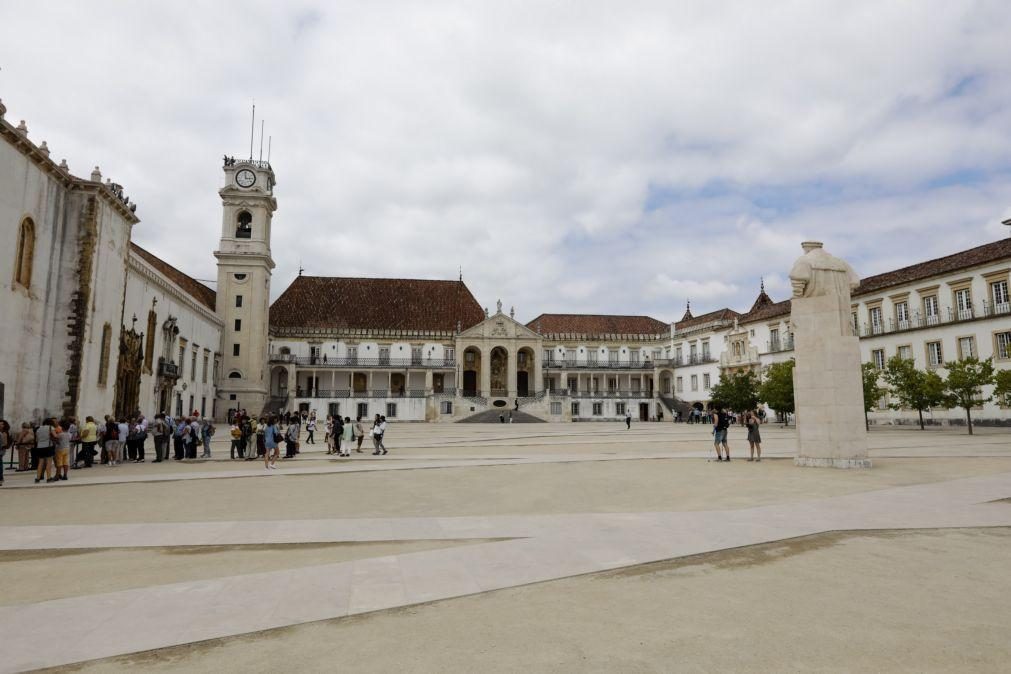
611	157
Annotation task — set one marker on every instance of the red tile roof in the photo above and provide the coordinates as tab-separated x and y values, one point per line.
766	310
989	252
724	314
337	303
593	324
187	284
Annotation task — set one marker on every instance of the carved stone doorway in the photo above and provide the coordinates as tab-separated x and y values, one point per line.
128	371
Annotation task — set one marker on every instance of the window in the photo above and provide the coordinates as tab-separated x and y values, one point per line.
598	409
234	375
556	409
238	301
612	356
573	383
384	355
963	303
591	357
705	382
902	315
25	253
905	352
966	347
193	366
182	357
362	410
244	225
450	354
1002	342
548	356
612	383
333	409
930	309
875	313
203	406
235	349
619	409
774	339
633	357
416	354
878	358
705	350
239	277
677	354
238	324
152	326
352	353
693	352
695	382
391	410
203	376
575	409
680	384
856	323
999	293
934	356
103	356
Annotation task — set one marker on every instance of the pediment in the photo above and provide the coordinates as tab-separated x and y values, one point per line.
499	326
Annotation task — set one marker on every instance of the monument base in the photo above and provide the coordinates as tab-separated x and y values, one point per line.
815	462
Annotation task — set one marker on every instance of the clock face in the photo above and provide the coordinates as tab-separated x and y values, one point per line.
245	178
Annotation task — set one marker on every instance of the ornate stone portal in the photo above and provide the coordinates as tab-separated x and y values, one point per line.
128	371
827	383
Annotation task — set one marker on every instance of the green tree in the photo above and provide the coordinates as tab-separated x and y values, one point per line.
872	392
1002	392
963	388
915	389
777	388
738	392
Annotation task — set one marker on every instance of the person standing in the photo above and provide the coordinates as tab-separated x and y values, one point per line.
628	420
753	421
111	438
291	440
6	442
375	432
721	424
348	431
310	429
132	440
62	447
124	436
191	449
25	443
160	430
270	438
44	451
359	433
89	437
178	435
206	433
236	435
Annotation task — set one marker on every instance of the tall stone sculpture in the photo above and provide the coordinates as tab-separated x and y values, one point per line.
827	383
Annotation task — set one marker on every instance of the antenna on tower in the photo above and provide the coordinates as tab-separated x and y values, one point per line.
269	138
252	132
262	121
461	272
300	268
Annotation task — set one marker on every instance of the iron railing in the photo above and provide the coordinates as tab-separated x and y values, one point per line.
572	364
324	361
942	317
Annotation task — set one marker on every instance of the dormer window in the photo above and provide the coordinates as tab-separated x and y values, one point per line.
244	230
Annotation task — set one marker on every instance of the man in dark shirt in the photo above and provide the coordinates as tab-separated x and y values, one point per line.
721	422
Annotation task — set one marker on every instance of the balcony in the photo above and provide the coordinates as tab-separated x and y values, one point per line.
567	364
167	369
373	393
779	345
321	362
942	317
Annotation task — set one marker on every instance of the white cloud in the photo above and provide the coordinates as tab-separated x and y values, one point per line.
592	157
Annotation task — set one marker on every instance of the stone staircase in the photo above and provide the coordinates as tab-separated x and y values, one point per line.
492	416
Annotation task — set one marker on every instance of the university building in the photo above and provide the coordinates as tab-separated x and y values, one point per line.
96	324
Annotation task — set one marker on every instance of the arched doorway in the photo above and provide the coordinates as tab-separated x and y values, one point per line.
499	372
397	384
279	382
524	371
471	370
665	382
128	370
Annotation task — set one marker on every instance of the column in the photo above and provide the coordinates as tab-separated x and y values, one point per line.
511	373
485	371
538	368
428	382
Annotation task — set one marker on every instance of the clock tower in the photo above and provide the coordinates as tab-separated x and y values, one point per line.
244	268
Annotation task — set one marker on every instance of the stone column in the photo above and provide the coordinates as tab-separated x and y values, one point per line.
485	371
428	382
511	369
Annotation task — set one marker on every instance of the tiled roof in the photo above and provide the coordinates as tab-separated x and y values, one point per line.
324	302
990	252
187	284
724	314
766	310
593	324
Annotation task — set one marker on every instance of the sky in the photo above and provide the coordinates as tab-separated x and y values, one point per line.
571	157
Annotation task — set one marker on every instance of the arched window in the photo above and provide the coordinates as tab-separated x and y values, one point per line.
235	375
285	351
103	357
152	325
25	253
244	230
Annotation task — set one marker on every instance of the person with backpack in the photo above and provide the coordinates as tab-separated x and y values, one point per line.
721	424
291	441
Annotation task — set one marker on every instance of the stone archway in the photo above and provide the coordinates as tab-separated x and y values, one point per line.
128	371
499	372
279	382
471	371
524	371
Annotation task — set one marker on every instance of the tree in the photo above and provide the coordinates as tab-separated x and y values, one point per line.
738	392
872	392
915	389
777	388
1002	392
963	388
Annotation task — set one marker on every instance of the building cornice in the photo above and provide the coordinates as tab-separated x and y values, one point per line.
150	273
359	334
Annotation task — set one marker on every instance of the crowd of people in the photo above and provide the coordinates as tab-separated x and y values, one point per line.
722	420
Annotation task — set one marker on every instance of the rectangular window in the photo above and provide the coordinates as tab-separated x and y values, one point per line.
856	323
705	382
633	357
680	384
695	382
391	410
193	366
930	309
235	349
203	406
902	315
934	356
416	355
693	352
238	301
999	293
612	383
352	354
446	407
556	409
384	355
677	355
362	410
905	352
182	359
875	314
1002	341
619	409
575	409
966	347
548	356
963	303
591	357
705	350
238	324
203	376
450	354
656	354
598	409
774	339
521	359
573	384
612	356
878	358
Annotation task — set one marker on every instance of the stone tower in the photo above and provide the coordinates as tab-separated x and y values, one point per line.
244	268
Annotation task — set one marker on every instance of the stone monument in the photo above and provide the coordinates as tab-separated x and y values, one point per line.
827	382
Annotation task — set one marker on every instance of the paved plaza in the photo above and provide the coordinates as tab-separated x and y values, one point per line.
540	547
